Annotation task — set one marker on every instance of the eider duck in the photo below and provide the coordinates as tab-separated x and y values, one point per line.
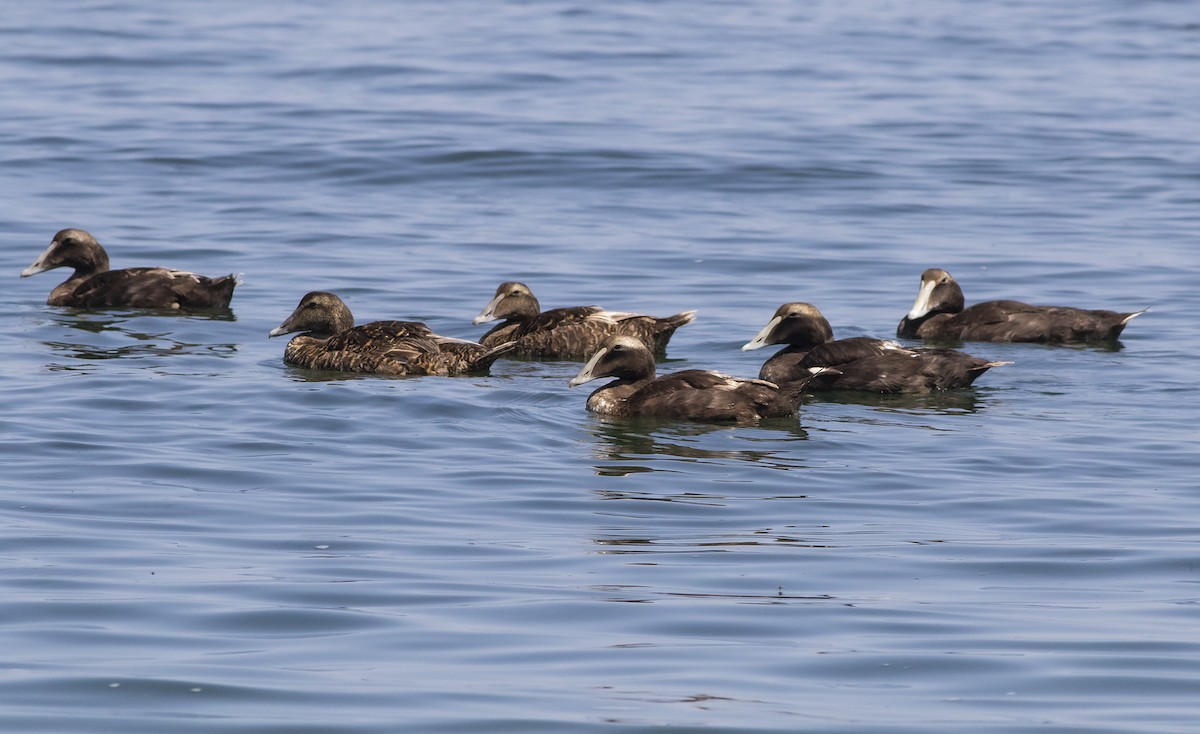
572	333
860	363
690	394
329	340
938	315
93	285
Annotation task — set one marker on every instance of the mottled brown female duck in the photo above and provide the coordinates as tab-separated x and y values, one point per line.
329	340
860	363
93	285
690	394
938	315
573	333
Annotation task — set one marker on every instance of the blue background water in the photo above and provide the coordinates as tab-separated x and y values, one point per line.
196	538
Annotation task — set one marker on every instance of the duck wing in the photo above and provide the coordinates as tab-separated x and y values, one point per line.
1014	321
153	288
379	336
845	351
557	318
388	347
563	333
708	396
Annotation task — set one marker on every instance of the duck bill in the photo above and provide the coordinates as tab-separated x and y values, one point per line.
764	337
284	328
920	306
39	265
586	374
489	311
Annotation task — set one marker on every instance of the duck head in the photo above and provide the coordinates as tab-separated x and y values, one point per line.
939	293
73	248
512	300
319	313
796	324
623	357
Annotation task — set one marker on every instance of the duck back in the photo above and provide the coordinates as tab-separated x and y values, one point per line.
938	314
572	333
1013	321
374	352
575	333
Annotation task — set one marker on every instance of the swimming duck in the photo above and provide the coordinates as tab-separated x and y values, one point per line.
691	394
567	333
93	285
860	363
938	315
329	340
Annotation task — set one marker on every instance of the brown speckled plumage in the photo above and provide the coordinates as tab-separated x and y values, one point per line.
572	333
330	341
93	285
938	315
858	363
689	394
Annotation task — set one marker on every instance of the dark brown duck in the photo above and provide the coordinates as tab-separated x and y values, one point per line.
93	285
573	333
690	394
859	363
329	340
938	315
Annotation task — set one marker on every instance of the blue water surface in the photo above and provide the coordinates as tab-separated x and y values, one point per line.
195	537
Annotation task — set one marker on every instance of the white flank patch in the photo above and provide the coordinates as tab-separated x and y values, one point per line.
612	317
453	340
730	383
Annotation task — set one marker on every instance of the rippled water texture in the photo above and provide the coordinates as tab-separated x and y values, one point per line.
196	538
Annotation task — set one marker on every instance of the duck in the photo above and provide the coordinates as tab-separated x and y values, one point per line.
329	340
859	363
569	334
938	315
698	395
94	285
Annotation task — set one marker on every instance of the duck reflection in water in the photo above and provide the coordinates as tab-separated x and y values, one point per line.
644	445
948	402
117	335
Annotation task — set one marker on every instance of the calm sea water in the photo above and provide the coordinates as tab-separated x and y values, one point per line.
197	538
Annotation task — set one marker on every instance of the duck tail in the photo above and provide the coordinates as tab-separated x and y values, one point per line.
485	359
1117	328
795	390
1134	315
683	317
212	292
663	329
678	320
